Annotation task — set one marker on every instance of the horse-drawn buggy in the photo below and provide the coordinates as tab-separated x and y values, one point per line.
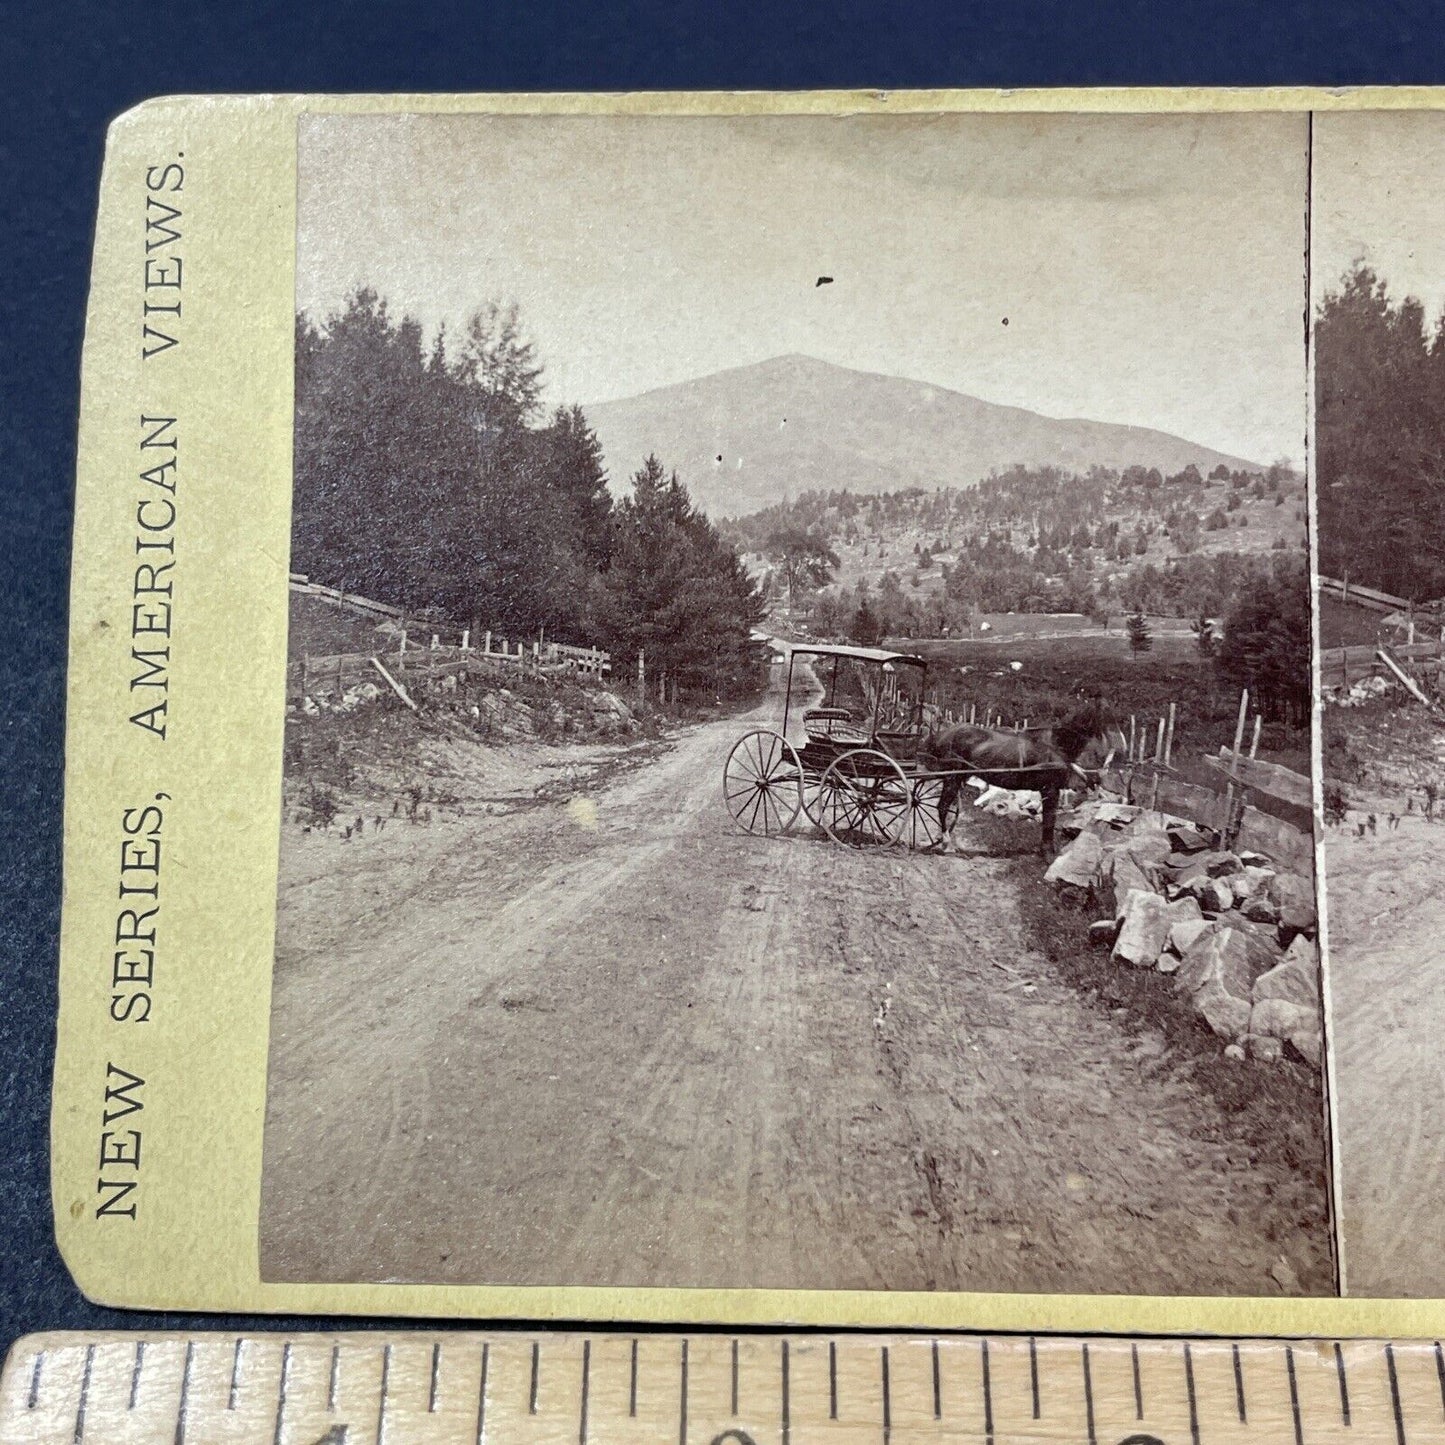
865	758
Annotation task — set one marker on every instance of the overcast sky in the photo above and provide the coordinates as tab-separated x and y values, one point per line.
1146	270
1378	198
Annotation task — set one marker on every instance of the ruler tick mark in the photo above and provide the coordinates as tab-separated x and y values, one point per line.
937	1386
84	1392
988	1397
887	1401
1138	1383
1034	1373
1089	1398
1299	1434
281	1392
832	1379
140	1354
1189	1389
1344	1383
482	1395
436	1360
735	1379
586	1373
787	1425
1395	1394
536	1370
184	1405
385	1388
331	1379
632	1386
235	1375
1439	1373
1239	1405
34	1394
682	1399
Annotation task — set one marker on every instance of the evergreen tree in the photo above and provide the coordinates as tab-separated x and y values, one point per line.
424	478
676	589
1140	639
1266	642
1380	439
865	629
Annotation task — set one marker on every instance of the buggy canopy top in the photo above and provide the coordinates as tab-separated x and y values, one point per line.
860	654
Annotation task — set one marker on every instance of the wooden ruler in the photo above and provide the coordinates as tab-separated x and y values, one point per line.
505	1388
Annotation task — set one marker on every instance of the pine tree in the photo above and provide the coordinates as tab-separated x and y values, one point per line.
1266	642
1380	439
865	629
1140	639
676	589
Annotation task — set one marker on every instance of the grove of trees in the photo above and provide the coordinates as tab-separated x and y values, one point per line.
1380	438
431	478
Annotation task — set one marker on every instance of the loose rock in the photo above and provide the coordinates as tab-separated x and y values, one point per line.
1188	839
1187	932
1127	877
1144	930
1294	896
1218	973
1260	910
1148	845
1227	1015
1079	864
1264	1047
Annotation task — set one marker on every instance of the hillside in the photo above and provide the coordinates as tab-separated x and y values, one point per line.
745	438
1044	541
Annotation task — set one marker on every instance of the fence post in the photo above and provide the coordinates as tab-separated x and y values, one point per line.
1239	725
1169	739
642	678
401	653
466	639
435	642
487	646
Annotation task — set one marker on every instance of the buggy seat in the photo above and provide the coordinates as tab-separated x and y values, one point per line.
833	724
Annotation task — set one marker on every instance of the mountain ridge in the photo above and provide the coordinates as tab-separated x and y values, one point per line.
747	436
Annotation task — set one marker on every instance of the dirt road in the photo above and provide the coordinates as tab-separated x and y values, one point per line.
614	1042
1387	1020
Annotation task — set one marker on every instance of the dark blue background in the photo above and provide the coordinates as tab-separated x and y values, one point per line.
69	70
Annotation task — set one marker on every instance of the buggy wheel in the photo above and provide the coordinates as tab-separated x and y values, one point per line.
863	799
920	823
763	783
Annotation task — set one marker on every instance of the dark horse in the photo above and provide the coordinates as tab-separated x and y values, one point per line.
1043	760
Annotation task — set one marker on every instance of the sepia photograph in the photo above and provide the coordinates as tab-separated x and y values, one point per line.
1379	359
798	753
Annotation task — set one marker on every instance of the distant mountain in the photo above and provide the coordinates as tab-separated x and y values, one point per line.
745	438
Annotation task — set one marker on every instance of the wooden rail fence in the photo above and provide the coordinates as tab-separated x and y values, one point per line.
419	647
1341	666
1368	597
